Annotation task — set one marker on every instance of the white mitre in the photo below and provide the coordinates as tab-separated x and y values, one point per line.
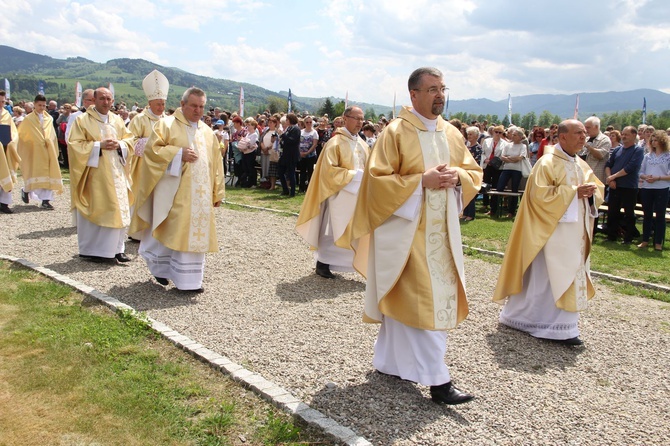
155	86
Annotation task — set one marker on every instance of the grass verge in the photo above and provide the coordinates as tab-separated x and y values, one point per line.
492	234
72	372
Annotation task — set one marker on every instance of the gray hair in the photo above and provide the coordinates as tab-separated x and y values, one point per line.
193	91
414	81
472	130
593	120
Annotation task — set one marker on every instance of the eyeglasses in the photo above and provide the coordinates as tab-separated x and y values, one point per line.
498	132
433	90
357	119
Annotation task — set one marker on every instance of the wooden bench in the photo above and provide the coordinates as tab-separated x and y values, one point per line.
503	194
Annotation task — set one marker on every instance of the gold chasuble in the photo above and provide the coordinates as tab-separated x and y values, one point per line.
342	156
414	266
178	209
101	194
141	127
38	149
551	218
9	158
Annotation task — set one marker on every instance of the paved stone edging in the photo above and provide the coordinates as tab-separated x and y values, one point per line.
638	283
269	391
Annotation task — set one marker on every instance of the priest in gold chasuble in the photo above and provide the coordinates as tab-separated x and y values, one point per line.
331	196
9	157
419	177
38	149
181	181
545	278
98	148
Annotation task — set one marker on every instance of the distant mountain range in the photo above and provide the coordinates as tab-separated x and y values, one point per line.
24	69
564	105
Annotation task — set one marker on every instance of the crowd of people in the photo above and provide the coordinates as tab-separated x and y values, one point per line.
383	199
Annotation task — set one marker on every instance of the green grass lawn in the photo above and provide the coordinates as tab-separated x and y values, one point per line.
72	372
492	234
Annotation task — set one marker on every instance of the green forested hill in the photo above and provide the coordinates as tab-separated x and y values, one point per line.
24	70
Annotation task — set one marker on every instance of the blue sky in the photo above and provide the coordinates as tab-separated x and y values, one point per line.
486	48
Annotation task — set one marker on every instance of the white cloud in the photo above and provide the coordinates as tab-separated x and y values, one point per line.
485	48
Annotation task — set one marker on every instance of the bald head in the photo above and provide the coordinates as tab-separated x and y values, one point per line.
571	136
103	100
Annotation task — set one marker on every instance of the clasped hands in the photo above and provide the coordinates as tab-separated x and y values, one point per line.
440	177
586	190
109	144
188	155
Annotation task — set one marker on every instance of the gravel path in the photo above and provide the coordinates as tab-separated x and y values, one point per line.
265	309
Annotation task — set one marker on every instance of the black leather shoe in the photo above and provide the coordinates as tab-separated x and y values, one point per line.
163	281
95	259
5	209
122	257
197	291
24	197
448	394
323	270
572	341
46	205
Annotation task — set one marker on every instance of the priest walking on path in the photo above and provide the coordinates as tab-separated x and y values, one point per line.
181	181
38	149
419	177
331	196
98	148
9	157
545	279
155	86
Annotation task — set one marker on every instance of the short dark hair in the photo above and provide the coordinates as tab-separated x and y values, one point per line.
292	118
40	98
414	80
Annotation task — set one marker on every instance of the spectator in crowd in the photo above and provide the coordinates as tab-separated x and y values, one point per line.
545	280
38	149
52	109
99	145
290	155
182	182
238	132
476	151
338	122
622	175
270	150
418	176
19	115
331	196
549	139
221	133
492	148
596	150
325	131
248	145
644	138
309	138
615	140
9	158
511	155
537	137
369	132
655	177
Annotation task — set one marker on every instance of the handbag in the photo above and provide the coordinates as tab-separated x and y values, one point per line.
525	167
496	162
